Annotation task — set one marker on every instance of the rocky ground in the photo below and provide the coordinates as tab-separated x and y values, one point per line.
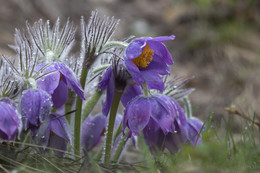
217	41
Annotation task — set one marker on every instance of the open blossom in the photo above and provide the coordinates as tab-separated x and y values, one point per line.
57	83
10	120
53	133
148	58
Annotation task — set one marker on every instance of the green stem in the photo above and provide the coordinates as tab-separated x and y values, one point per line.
99	154
120	147
145	89
110	128
188	107
77	125
91	103
115	43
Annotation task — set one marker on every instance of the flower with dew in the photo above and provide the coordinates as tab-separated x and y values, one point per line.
54	133
156	117
10	121
10	118
54	45
161	112
35	106
148	58
117	79
93	128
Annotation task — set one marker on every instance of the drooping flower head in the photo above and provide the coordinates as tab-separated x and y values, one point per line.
10	118
93	129
148	58
154	112
117	79
10	121
53	133
35	107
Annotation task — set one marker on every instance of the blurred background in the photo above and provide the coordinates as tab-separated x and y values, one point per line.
217	41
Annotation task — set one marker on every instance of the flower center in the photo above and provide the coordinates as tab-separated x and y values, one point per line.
145	58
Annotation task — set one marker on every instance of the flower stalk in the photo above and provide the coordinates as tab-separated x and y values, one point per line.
77	125
120	147
109	136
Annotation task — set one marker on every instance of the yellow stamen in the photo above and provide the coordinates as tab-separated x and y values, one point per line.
145	58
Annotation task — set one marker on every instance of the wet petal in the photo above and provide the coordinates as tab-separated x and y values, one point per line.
153	80
161	51
135	48
70	79
49	82
134	71
162	116
59	143
105	78
59	97
137	114
109	95
130	92
164	38
35	106
92	130
9	122
194	126
60	127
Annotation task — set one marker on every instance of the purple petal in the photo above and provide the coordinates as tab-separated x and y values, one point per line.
135	114
35	106
194	126
153	80
70	79
162	116
49	82
60	127
130	92
154	139
41	135
174	141
9	121
59	143
135	48
59	97
134	71
105	78
161	51
163	38
109	95
92	130
158	66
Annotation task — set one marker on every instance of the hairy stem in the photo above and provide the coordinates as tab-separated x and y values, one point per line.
110	128
77	125
91	103
120	147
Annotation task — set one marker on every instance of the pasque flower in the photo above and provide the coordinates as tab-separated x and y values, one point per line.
10	120
153	112
117	79
93	129
148	58
53	133
57	83
35	107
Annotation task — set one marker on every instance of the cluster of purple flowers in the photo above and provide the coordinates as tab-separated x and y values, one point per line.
34	89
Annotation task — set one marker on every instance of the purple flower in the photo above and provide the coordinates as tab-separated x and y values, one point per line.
194	130
93	129
57	83
116	78
53	133
35	107
10	121
154	112
147	58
